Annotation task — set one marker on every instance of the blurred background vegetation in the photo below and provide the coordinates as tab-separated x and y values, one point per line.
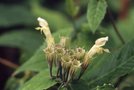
19	40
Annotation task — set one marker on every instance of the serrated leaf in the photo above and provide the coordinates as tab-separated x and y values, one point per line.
41	81
28	41
105	87
95	13
108	67
37	62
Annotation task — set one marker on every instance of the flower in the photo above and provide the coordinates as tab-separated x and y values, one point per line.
79	53
96	49
64	42
74	67
59	52
42	22
45	29
50	54
101	41
66	61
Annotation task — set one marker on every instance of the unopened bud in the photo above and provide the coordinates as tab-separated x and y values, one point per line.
64	42
79	53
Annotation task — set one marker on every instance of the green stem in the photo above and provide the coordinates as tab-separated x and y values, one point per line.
115	27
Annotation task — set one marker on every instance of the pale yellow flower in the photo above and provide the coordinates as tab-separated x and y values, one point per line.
42	22
64	42
96	49
45	29
50	54
79	53
76	64
66	61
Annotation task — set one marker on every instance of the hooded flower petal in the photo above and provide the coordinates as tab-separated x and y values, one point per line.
96	49
45	29
101	41
42	22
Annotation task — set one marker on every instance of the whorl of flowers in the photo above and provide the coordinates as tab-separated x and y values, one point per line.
68	61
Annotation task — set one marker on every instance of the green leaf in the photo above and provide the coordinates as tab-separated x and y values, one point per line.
72	8
38	62
15	15
55	19
12	84
95	13
125	27
83	40
40	81
28	41
105	87
80	85
108	67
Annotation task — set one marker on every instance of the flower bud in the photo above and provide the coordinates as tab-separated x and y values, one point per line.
75	66
50	55
59	51
64	42
66	61
79	53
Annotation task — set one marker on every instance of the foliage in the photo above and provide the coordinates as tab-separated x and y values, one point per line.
83	21
95	13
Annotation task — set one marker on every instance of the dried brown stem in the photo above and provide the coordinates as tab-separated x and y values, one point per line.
8	63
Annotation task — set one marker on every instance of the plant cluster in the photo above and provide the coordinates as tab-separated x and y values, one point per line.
67	60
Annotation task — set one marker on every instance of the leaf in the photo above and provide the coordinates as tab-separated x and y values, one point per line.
105	87
41	81
72	8
56	20
37	62
12	84
95	13
83	40
28	41
19	15
80	85
127	83
125	27
106	68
